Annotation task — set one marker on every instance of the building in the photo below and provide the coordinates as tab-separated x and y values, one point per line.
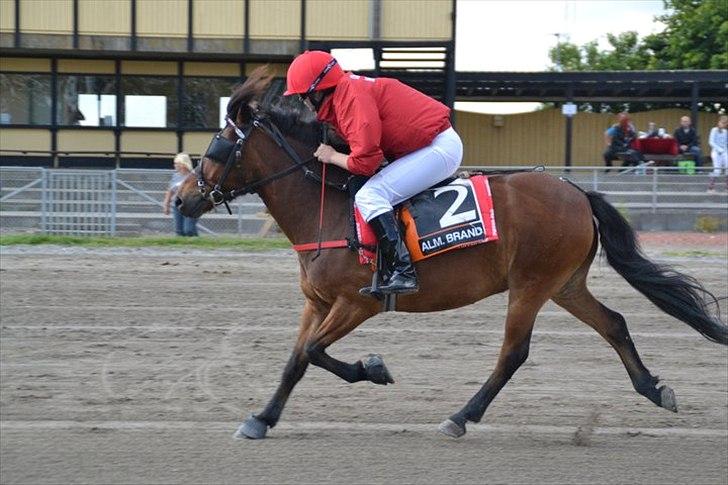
131	82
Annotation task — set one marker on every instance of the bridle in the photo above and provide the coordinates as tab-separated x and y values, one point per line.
222	150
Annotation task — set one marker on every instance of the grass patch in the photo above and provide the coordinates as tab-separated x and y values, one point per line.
693	253
218	242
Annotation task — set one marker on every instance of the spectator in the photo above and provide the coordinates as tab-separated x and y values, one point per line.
687	139
652	131
184	226
718	142
618	139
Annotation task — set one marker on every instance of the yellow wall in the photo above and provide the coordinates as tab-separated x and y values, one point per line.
107	17
278	70
25	139
269	19
85	140
19	64
539	138
7	15
218	19
337	20
275	19
83	66
416	19
196	142
149	67
46	16
206	69
162	18
151	141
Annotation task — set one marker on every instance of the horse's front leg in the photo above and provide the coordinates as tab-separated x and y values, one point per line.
256	426
344	317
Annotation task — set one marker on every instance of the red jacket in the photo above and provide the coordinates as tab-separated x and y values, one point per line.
382	118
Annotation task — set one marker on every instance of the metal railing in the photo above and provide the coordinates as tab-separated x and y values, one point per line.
70	202
129	201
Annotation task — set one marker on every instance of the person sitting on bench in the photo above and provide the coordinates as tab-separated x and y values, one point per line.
618	139
688	140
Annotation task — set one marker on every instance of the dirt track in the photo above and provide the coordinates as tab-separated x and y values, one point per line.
129	366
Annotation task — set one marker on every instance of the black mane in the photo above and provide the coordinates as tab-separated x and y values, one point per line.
296	124
288	113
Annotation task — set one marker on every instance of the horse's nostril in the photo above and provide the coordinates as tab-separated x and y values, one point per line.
177	202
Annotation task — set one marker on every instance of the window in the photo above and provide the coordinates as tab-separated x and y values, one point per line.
149	102
205	101
86	100
25	99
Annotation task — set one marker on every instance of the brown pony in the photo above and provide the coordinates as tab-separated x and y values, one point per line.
548	238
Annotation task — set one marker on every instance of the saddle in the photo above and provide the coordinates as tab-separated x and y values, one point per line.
453	214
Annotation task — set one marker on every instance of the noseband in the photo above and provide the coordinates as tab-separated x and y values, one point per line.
222	150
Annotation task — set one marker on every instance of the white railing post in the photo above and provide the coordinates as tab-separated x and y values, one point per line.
654	189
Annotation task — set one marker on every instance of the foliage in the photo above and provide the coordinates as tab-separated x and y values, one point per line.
234	243
695	37
707	224
626	53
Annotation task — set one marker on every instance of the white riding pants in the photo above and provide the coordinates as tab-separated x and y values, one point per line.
410	175
720	163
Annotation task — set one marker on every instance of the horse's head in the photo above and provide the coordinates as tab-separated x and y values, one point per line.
230	162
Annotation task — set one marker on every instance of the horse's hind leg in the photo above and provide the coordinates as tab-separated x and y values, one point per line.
522	309
256	426
578	301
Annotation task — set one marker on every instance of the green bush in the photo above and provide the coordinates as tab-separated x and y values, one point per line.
707	224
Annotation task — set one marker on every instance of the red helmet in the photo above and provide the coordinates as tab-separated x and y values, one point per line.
312	71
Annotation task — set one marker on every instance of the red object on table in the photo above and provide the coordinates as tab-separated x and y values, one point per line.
656	146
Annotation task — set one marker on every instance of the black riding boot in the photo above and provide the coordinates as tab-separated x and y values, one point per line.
402	277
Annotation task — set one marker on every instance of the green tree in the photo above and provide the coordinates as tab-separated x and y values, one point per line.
695	37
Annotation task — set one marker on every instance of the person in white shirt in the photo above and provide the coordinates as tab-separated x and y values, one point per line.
183	225
718	141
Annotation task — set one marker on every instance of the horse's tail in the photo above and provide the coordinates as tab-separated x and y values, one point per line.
676	294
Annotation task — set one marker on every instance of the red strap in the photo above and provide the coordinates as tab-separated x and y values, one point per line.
321	210
341	243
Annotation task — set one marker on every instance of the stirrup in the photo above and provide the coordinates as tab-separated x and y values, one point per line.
401	289
370	291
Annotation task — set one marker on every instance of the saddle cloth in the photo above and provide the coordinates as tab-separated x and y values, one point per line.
443	218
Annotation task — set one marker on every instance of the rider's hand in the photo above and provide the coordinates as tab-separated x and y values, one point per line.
325	153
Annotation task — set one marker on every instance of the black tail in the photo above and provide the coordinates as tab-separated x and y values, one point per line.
676	294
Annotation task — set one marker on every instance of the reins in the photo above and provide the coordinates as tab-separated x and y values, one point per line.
234	153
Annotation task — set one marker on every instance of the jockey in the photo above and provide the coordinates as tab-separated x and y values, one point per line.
380	119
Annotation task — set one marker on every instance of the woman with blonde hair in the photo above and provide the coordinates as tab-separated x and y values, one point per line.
718	141
183	226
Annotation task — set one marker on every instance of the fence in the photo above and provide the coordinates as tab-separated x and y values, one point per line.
129	201
121	202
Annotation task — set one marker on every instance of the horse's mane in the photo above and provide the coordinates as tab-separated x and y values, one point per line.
258	92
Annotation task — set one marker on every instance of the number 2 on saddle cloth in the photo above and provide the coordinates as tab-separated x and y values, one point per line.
454	214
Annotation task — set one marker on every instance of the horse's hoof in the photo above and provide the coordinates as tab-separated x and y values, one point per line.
667	399
252	428
451	428
376	371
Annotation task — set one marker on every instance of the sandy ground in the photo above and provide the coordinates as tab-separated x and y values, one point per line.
135	366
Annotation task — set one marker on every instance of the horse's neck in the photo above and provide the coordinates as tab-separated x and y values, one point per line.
294	202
